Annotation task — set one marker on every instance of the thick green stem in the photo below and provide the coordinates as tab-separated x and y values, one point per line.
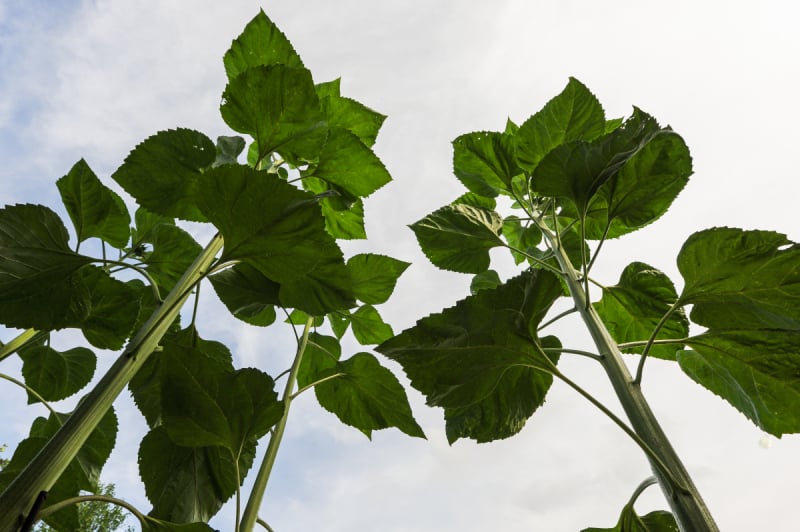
22	339
687	505
260	485
43	471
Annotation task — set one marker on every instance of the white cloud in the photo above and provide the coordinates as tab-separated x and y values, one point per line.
108	74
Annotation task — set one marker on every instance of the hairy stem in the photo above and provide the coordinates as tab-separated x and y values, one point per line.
51	461
687	505
22	338
260	485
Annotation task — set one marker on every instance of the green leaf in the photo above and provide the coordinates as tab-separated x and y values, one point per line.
478	360
575	114
82	473
349	114
757	371
476	200
629	521
339	322
344	217
298	318
279	108
346	162
114	309
188	484
228	150
40	286
261	43
633	307
56	375
741	279
157	525
521	237
459	237
374	276
247	293
210	358
163	170
321	354
484	162
95	210
172	252
279	230
485	280
368	326
367	396
647	183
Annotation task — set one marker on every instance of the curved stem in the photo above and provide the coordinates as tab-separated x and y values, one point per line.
21	339
94	498
598	248
663	341
264	524
640	368
651	454
573	351
646	483
558	317
539	262
309	386
32	392
260	484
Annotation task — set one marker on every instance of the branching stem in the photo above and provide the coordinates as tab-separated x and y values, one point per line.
640	368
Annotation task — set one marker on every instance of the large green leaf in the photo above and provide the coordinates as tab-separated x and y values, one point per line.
56	375
634	306
95	210
647	184
260	43
349	114
741	279
484	162
321	354
163	170
172	250
757	371
459	237
40	286
478	360
366	396
279	230
114	309
575	114
189	484
346	162
247	293
523	238
277	106
191	350
374	276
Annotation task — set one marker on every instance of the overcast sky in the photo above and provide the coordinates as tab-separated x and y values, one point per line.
93	78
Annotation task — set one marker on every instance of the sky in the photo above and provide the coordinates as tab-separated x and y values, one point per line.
91	79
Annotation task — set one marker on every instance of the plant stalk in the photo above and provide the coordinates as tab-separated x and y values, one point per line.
51	461
250	515
687	505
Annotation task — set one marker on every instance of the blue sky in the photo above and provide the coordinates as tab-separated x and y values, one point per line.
91	79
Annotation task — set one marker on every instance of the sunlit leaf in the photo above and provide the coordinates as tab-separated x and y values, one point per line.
345	161
260	43
277	106
757	371
478	360
575	114
374	276
95	210
741	279
349	114
368	326
633	307
459	237
163	170
484	161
